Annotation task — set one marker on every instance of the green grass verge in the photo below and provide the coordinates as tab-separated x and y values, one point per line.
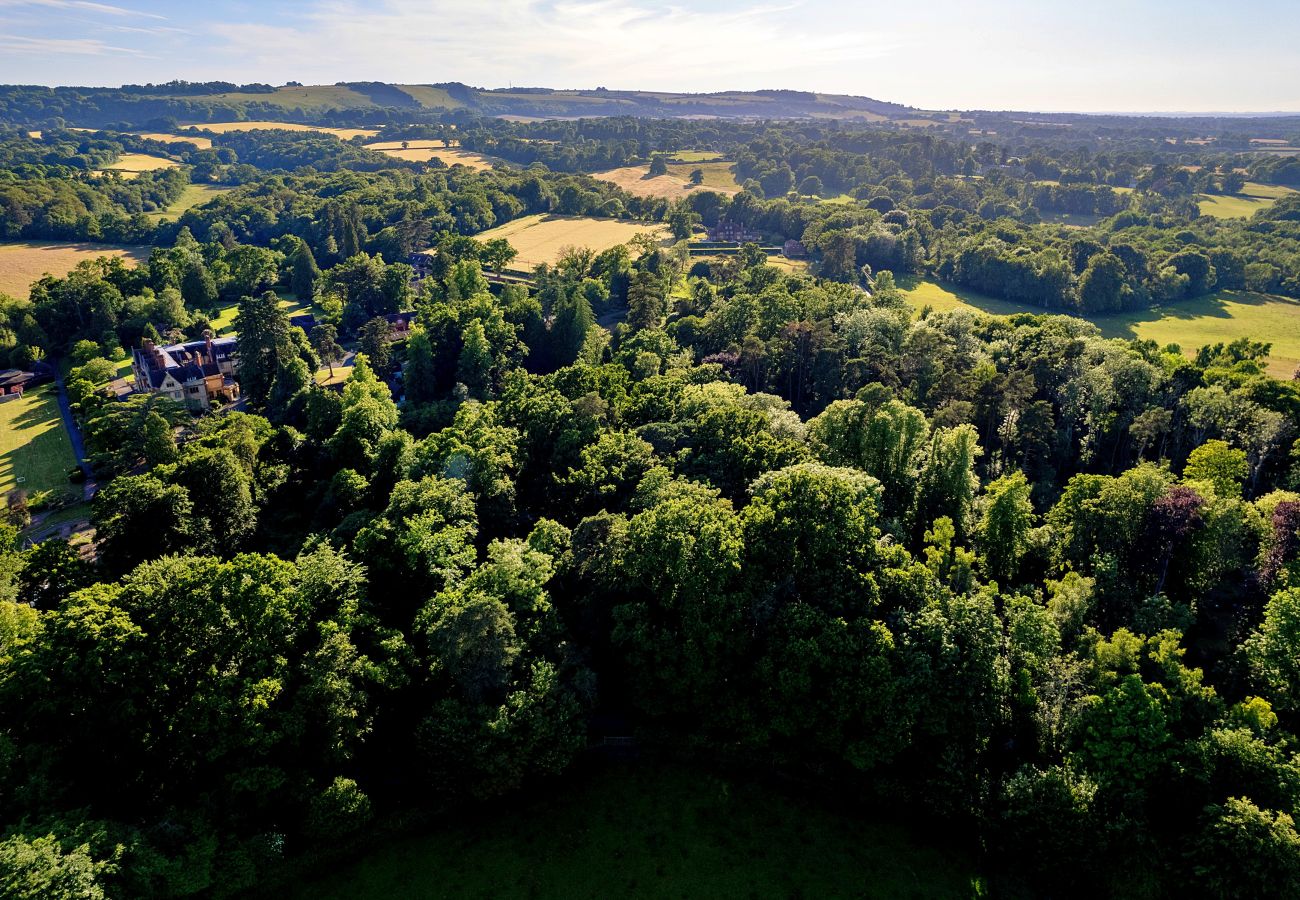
35	453
652	831
1191	324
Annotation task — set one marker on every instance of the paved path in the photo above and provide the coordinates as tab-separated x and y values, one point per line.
74	435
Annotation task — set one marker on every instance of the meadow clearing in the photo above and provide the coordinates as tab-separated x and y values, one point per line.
540	238
136	163
656	831
636	180
35	453
676	184
1220	317
1253	197
23	262
345	134
201	142
193	195
423	151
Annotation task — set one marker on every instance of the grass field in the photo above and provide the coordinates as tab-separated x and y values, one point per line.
193	195
142	162
35	453
431	97
636	180
201	142
717	175
224	127
540	238
650	832
423	151
696	156
24	262
1191	324
1253	197
307	97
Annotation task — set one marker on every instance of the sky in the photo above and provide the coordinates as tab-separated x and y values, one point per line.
1083	55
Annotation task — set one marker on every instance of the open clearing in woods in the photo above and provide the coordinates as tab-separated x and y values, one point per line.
655	831
223	127
676	184
540	238
142	162
24	262
423	151
1253	197
201	142
1221	317
193	195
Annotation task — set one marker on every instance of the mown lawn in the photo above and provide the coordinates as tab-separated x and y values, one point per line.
1191	324
35	453
654	831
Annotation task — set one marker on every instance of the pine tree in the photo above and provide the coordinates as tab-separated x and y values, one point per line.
305	274
573	319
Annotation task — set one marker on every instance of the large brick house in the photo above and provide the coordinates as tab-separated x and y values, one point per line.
195	373
727	231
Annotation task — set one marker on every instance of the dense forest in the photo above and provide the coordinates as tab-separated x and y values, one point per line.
1002	572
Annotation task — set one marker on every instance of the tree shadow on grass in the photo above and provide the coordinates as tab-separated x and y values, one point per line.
1212	306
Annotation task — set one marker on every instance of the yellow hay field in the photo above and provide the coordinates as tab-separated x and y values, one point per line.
25	262
341	133
539	239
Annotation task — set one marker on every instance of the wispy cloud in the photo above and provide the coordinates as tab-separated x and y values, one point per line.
81	6
569	42
14	43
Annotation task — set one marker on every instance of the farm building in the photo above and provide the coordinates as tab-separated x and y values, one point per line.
732	232
195	373
794	250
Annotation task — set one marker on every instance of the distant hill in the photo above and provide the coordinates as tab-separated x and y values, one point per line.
375	104
220	101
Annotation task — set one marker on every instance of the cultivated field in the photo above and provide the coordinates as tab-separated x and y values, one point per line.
636	180
653	831
717	175
25	262
193	195
1191	324
1253	197
224	127
423	151
35	453
201	142
539	239
142	162
676	184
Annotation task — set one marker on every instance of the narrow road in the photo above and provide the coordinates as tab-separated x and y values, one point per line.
74	436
